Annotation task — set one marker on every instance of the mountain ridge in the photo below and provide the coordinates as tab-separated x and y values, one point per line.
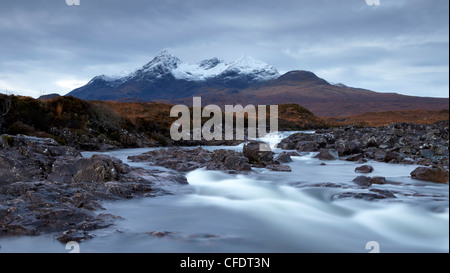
244	81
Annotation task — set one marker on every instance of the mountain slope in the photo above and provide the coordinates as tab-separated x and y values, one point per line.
245	81
167	77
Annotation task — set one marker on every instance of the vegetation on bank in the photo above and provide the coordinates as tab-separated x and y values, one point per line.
71	121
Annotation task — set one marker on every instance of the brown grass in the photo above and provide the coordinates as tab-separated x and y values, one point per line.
378	119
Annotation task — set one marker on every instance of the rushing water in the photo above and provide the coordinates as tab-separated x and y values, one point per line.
269	211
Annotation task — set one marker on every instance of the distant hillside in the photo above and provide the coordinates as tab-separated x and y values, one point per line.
245	81
377	119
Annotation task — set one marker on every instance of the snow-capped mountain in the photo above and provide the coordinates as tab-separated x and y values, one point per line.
166	76
165	64
244	81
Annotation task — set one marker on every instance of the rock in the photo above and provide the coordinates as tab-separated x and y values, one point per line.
293	153
380	155
255	155
361	161
393	157
278	168
73	235
283	157
184	160
407	161
426	153
355	157
398	132
440	150
378	180
327	154
425	144
98	168
363	181
307	146
47	188
368	196
364	169
433	174
228	160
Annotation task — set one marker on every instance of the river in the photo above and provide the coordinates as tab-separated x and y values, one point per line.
269	212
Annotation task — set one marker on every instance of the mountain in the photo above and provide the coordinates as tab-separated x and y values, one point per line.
244	81
166	77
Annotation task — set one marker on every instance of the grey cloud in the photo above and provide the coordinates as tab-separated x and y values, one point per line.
102	36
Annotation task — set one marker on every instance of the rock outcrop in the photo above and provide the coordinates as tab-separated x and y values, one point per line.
45	187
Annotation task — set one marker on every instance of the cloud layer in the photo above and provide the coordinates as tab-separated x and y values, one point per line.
399	46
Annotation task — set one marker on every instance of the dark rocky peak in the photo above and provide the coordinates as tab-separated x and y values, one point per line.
302	76
210	63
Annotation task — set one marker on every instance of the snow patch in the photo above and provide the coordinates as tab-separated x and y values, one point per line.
165	63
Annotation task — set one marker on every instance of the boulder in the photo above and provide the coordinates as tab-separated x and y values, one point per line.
278	168
98	168
354	157
307	146
284	157
378	180
433	174
252	150
327	154
364	169
185	160
228	160
363	181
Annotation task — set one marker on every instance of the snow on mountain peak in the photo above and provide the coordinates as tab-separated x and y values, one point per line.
164	59
249	65
165	63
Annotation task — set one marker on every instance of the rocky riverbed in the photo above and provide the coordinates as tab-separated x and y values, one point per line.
49	188
402	143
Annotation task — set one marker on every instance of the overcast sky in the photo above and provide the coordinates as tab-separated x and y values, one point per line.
399	46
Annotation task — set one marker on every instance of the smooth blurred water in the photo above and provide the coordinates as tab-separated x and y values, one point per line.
269	211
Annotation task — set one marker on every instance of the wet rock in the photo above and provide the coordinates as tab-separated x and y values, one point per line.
407	161
426	153
327	154
161	234
363	181
361	161
380	155
355	157
283	157
441	150
228	160
184	160
375	194
74	235
433	174
98	168
425	144
307	146
378	180
252	150
278	168
293	153
394	157
45	188
364	169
